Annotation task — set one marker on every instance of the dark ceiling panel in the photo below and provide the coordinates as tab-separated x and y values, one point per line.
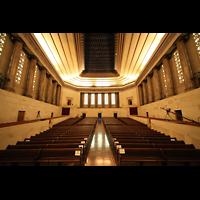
99	49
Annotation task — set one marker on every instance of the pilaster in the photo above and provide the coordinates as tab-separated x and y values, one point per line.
168	76
29	88
185	64
11	73
42	83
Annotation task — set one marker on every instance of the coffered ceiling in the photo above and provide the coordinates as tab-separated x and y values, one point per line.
99	59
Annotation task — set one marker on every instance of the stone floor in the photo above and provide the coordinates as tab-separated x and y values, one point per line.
100	153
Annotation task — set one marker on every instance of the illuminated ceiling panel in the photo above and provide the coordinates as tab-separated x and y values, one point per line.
65	51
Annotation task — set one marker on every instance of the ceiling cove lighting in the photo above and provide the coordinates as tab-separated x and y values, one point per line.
67	72
152	49
45	47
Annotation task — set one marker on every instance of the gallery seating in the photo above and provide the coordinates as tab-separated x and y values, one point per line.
134	144
66	144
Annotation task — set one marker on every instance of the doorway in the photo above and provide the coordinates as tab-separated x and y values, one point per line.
65	111
84	115
20	116
99	115
179	115
115	115
133	111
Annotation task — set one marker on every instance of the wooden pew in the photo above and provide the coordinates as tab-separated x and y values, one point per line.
32	157
158	157
150	145
45	146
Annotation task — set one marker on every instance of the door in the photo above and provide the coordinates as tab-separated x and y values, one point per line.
115	115
84	115
133	111
99	115
21	116
65	111
179	115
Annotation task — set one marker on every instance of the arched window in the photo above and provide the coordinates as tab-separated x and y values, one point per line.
164	78
178	66
2	41
20	68
197	41
34	78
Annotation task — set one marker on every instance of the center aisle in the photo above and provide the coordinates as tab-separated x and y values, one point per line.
100	153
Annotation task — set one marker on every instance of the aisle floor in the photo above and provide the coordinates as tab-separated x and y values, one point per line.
100	153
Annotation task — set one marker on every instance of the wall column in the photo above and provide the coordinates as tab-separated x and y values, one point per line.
54	91
58	95
81	99
42	83
49	89
168	76
149	88
96	100
29	88
109	100
157	88
185	64
144	91
89	100
102	100
117	99
11	73
140	94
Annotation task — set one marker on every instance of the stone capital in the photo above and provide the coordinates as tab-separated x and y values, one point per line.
18	39
166	56
181	38
42	68
48	75
33	57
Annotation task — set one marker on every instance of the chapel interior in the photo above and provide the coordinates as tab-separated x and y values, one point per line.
99	99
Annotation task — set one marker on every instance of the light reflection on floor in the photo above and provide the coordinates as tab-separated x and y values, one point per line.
100	153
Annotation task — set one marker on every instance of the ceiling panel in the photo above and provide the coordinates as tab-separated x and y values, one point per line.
129	55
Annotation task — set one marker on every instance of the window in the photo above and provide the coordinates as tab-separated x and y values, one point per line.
2	41
197	41
130	102
178	66
34	78
92	99
106	99
164	78
85	99
113	98
69	102
20	68
99	99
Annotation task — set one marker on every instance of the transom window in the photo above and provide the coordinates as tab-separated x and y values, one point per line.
92	99
106	99
113	98
86	99
20	68
99	99
178	66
